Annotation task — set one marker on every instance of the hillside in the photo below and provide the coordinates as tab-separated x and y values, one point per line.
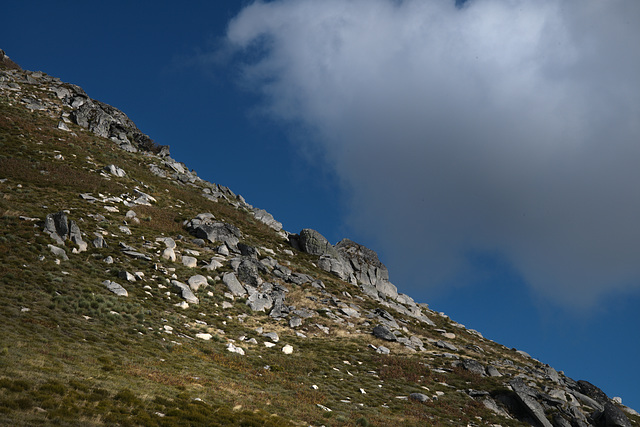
136	293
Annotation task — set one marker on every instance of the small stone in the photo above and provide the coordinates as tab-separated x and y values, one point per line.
205	337
287	349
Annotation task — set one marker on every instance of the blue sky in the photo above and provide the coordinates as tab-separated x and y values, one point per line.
488	152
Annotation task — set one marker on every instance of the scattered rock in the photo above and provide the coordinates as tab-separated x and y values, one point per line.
115	288
125	275
382	332
189	261
185	292
115	170
419	397
58	252
287	349
233	349
295	322
446	345
272	336
382	350
169	254
197	281
260	301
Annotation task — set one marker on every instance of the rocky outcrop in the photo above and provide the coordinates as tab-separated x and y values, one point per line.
204	226
61	229
7	63
349	261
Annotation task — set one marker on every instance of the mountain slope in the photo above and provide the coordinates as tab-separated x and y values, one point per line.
136	293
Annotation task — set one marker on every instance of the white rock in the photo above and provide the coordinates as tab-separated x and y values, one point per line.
169	254
197	281
189	261
232	348
269	344
205	337
115	288
287	349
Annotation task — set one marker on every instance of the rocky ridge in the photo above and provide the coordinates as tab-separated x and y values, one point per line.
224	277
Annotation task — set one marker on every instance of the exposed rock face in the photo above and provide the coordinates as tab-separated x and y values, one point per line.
315	243
205	227
351	262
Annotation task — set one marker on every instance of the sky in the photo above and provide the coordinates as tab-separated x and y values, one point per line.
487	150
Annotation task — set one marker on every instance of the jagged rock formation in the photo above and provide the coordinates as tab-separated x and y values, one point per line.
204	290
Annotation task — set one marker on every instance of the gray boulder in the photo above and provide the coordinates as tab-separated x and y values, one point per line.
234	286
473	366
248	271
382	332
58	252
419	397
492	371
446	345
115	170
115	288
197	281
185	292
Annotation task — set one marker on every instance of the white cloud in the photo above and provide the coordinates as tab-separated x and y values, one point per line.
504	126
